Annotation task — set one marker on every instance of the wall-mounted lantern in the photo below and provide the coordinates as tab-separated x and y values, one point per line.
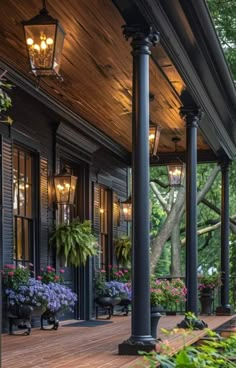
175	171
126	209
154	136
65	186
44	38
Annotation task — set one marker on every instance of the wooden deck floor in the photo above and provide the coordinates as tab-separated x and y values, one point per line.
79	346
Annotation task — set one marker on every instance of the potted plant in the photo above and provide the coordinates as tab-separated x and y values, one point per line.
75	242
123	249
207	283
27	296
109	293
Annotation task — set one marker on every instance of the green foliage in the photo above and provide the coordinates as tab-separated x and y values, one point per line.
14	277
123	249
75	242
212	353
223	13
5	100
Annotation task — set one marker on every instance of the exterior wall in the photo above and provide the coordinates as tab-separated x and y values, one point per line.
37	128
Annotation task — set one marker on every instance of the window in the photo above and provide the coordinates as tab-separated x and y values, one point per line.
23	205
103	225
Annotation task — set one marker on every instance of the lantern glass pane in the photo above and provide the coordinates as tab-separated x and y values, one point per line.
175	175
126	210
73	183
58	49
62	186
40	40
152	135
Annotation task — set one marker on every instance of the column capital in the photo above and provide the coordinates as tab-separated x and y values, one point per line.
143	37
191	114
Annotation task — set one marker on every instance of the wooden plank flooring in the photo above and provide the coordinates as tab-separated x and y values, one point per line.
83	347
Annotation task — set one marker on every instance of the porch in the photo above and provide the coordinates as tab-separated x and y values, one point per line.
89	344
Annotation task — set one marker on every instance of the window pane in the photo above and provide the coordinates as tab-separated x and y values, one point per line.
15	181
19	249
28	169
26	240
22	184
28	200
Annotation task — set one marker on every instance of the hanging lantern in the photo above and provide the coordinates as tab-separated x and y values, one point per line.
175	175
175	171
44	38
154	136
126	209
65	185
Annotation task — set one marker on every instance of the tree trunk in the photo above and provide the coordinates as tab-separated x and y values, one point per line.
175	251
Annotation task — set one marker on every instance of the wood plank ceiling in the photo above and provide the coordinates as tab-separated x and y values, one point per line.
97	68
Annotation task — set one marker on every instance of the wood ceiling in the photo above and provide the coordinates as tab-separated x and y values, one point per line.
97	68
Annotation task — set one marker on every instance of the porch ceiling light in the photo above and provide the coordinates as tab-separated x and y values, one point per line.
175	171
154	136
44	37
65	186
126	209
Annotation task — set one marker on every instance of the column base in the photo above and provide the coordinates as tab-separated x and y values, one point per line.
226	310
133	346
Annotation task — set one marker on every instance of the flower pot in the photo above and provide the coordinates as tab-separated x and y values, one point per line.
206	299
20	315
155	317
125	302
51	319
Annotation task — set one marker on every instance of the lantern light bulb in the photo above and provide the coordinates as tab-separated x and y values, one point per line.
36	47
49	41
151	137
30	41
43	45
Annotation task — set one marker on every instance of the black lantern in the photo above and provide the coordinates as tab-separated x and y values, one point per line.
65	185
44	38
154	136
175	170
126	209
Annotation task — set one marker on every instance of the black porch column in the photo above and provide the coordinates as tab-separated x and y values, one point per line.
225	307
141	339
191	117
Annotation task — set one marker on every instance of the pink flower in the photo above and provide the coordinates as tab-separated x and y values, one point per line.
110	266
62	271
49	268
103	271
126	271
53	269
56	277
11	273
9	266
31	265
39	278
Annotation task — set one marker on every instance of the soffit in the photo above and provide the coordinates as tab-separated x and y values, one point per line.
97	68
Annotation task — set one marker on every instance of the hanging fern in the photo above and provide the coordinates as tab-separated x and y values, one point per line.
75	242
123	248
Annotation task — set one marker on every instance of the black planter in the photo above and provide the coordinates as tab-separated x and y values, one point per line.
125	302
19	315
206	300
51	320
107	303
155	317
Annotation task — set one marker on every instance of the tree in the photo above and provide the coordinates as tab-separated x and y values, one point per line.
223	13
173	204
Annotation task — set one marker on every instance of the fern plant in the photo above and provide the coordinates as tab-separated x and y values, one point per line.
123	248
75	242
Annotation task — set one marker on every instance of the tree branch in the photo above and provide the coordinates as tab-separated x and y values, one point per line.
160	198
